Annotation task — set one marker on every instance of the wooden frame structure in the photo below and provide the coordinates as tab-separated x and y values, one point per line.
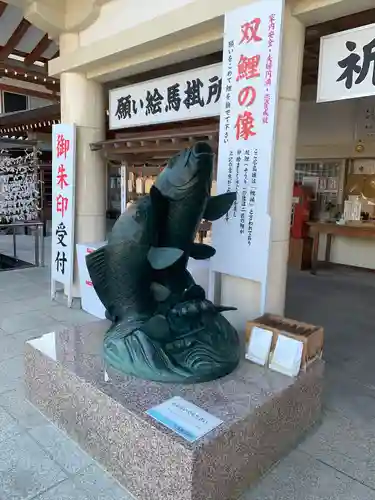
24	55
20	123
147	151
153	148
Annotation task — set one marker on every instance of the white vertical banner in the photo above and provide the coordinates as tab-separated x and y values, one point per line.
251	53
63	206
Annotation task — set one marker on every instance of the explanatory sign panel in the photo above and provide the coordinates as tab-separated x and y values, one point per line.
183	96
184	418
63	202
347	65
251	56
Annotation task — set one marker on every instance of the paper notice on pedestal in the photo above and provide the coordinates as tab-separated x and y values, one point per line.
259	346
184	418
287	356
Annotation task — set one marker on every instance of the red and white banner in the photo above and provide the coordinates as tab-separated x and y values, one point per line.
252	44
63	205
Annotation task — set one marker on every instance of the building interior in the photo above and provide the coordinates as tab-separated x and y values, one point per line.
331	281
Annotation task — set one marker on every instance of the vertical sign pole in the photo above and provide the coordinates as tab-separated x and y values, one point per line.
72	215
63	207
53	289
70	297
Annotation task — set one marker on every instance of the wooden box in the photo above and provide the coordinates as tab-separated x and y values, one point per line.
312	336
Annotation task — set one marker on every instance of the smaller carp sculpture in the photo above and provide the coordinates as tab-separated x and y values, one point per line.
163	327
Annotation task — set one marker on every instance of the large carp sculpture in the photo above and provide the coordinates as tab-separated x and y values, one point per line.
163	327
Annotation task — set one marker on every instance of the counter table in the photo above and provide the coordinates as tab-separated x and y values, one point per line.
331	230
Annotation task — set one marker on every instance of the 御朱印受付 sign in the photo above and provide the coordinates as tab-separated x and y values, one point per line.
63	202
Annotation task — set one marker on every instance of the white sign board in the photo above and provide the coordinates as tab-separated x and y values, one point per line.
184	96
247	129
63	204
347	64
184	418
287	356
259	346
200	271
90	302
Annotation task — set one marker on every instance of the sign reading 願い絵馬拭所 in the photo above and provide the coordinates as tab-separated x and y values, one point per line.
347	65
251	56
182	96
184	418
63	203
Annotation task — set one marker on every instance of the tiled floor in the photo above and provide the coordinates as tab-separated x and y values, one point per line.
336	462
36	460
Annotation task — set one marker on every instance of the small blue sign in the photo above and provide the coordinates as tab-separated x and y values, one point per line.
184	418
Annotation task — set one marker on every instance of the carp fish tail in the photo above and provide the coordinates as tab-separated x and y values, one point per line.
109	268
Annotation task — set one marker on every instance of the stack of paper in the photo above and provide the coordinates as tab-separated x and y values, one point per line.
259	346
287	356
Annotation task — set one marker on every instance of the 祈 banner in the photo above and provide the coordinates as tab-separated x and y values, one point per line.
184	96
247	128
63	203
347	65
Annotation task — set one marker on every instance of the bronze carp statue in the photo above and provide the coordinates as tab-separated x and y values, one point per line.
163	327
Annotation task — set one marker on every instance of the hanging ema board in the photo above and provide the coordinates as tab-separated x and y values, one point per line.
63	204
19	188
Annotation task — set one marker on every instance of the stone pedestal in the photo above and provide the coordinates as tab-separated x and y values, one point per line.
264	415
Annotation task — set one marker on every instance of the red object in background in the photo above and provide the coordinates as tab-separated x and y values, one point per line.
301	206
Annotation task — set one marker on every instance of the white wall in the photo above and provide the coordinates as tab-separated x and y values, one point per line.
354	252
332	130
119	15
38	102
34	102
326	124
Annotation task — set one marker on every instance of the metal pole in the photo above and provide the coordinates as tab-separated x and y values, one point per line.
14	243
36	240
41	230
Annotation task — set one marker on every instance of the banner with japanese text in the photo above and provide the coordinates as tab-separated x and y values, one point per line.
252	44
63	202
183	96
347	64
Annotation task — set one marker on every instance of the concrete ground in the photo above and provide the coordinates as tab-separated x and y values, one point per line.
336	462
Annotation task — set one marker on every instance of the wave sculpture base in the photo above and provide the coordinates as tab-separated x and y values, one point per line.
202	349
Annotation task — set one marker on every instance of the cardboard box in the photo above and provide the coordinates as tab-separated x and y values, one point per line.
312	336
